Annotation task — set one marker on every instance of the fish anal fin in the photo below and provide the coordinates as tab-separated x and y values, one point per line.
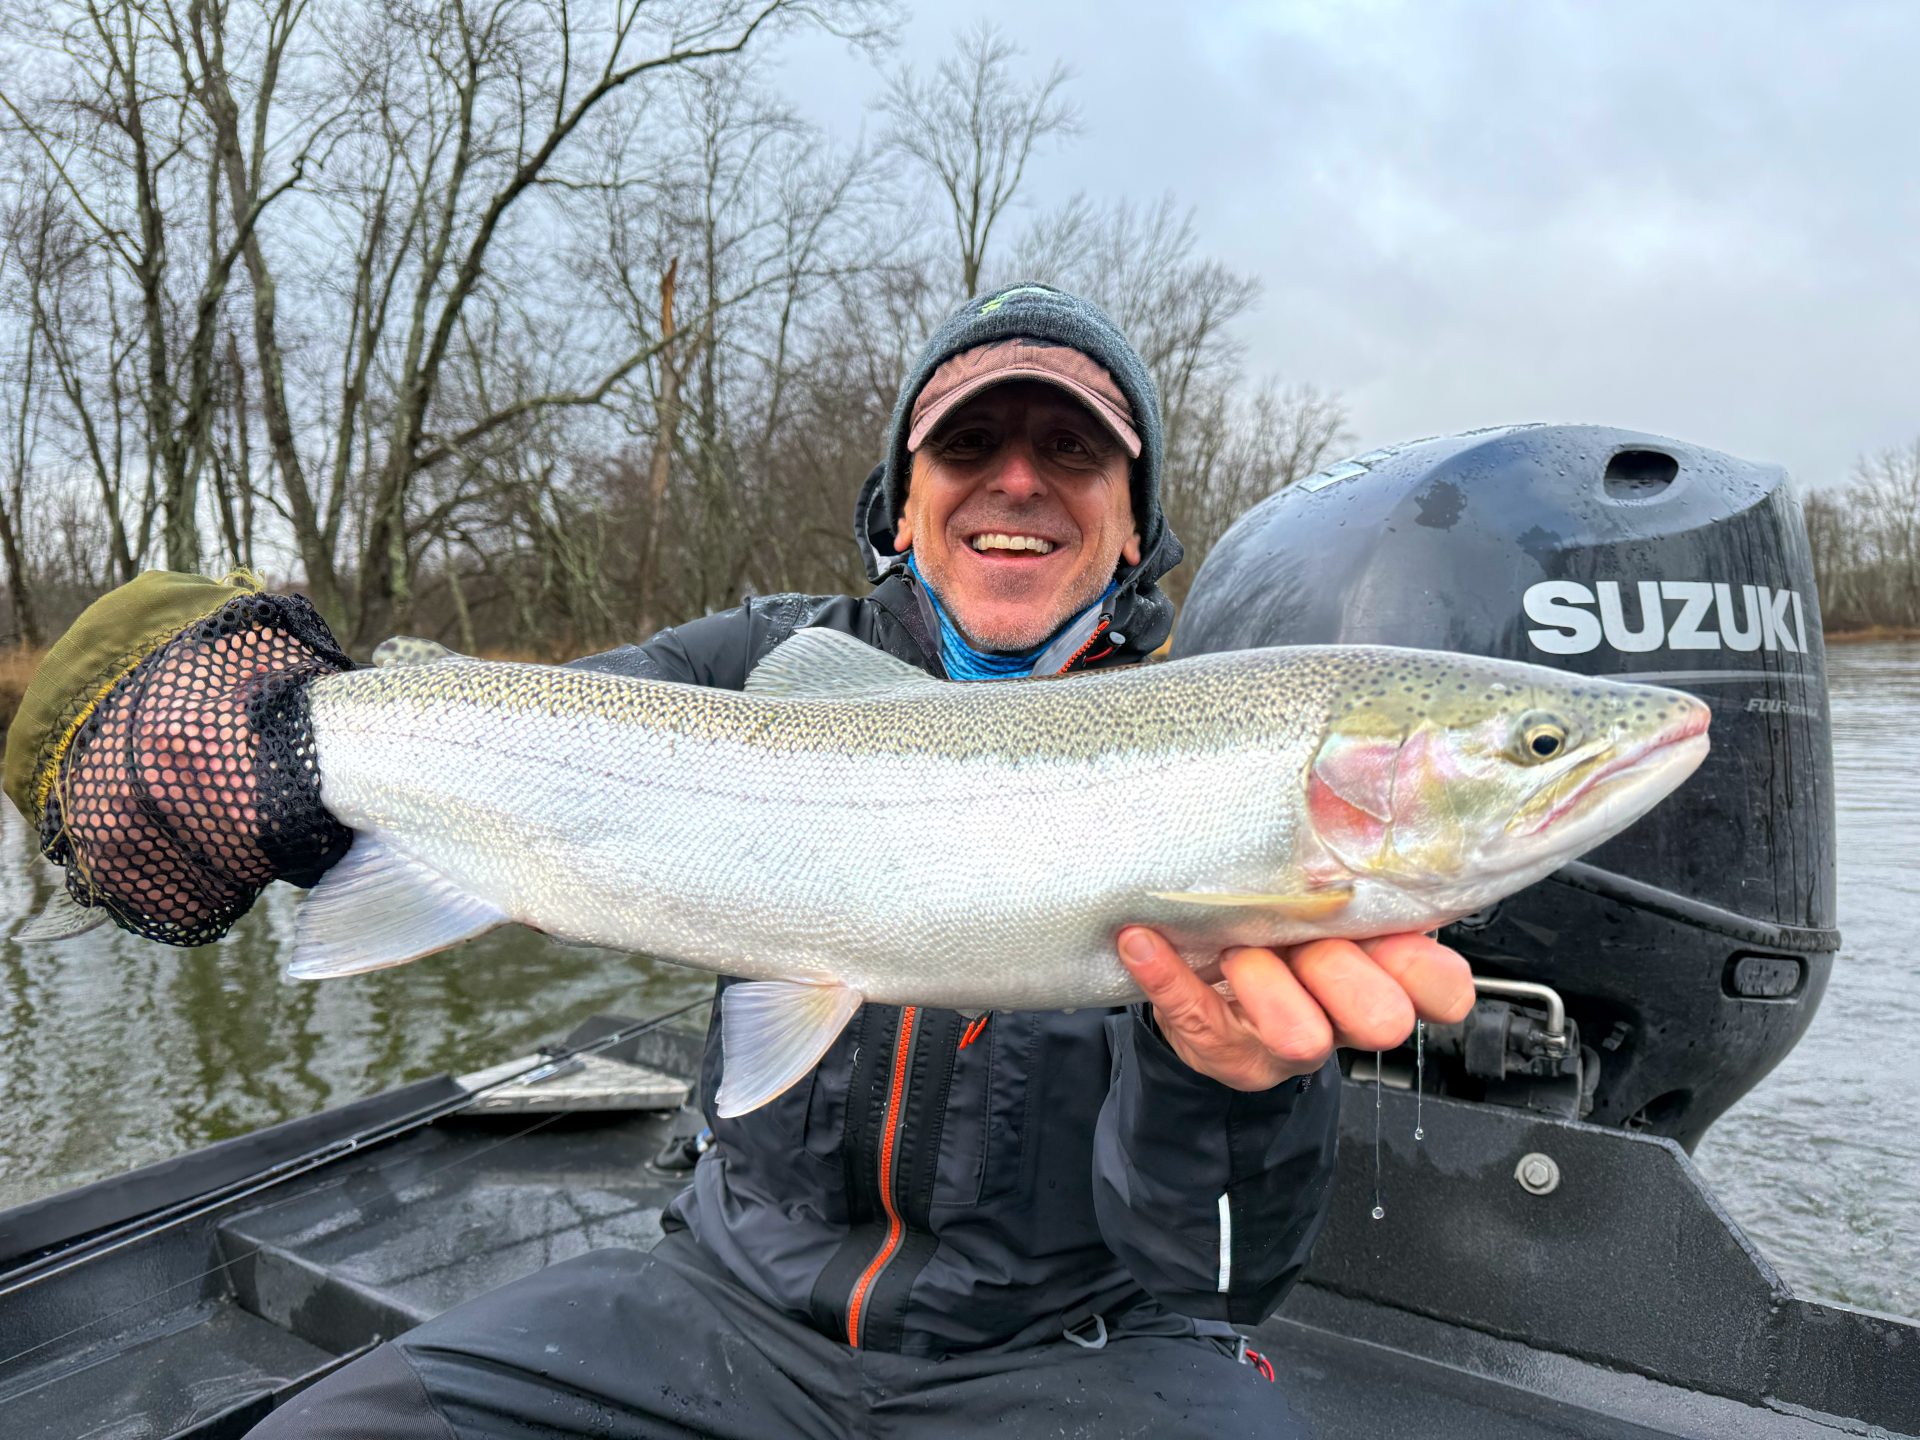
378	907
1317	904
772	1032
826	664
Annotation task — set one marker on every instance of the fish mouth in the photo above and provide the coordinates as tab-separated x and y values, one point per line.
1616	784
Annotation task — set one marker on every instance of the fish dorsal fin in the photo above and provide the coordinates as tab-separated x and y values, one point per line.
825	664
378	907
412	650
771	1033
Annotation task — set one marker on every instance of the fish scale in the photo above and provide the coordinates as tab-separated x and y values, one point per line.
849	828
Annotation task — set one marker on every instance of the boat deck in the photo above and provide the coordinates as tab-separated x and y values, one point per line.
201	1330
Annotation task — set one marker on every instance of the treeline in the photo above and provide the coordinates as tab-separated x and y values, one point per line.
1866	544
526	324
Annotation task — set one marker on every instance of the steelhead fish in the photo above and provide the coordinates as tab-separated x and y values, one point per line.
849	828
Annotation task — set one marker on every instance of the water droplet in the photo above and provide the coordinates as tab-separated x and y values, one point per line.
1379	1212
1419	1076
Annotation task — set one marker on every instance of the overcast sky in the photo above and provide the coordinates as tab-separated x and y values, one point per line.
1701	220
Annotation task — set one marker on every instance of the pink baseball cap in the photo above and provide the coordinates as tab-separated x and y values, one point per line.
984	366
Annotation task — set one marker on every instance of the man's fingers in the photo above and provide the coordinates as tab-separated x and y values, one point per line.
1369	1010
1436	979
1277	1005
1181	999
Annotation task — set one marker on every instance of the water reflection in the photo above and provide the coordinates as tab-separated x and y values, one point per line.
115	1052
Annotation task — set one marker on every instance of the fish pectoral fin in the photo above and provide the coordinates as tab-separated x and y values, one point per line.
378	907
1315	904
61	918
771	1033
826	664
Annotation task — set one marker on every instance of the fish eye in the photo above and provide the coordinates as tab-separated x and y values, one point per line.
1542	737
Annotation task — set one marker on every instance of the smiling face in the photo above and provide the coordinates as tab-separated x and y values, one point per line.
1018	513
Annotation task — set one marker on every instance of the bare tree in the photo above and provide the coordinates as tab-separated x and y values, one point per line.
515	83
67	295
1240	450
1836	544
240	138
1865	540
1226	446
120	131
973	126
524	327
728	259
23	386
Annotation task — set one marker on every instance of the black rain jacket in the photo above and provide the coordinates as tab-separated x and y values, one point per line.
938	1185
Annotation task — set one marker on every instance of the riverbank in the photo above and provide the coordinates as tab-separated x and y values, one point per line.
1873	635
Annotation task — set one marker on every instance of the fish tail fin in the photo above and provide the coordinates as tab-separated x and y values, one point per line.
771	1033
62	918
378	907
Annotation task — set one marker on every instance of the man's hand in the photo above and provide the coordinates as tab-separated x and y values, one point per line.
1288	1010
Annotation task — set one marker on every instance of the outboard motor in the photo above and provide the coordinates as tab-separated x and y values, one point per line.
1651	983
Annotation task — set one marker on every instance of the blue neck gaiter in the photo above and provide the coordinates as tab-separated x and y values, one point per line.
963	662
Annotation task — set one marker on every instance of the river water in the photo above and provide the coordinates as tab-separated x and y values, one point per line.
115	1052
1820	1162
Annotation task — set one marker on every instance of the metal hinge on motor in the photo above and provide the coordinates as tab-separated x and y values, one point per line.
1519	1046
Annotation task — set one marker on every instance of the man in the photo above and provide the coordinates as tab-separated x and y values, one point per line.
1037	1222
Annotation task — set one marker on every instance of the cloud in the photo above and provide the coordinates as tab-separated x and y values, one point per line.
1700	220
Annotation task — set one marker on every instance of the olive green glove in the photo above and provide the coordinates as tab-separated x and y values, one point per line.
163	756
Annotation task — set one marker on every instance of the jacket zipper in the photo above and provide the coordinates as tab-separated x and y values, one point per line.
896	1226
1092	640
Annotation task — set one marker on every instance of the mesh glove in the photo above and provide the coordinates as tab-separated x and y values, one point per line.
174	775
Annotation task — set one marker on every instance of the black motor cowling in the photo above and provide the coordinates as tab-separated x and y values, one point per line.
1692	950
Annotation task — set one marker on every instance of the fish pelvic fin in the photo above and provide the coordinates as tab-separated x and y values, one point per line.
826	664
61	918
772	1032
378	907
1320	903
